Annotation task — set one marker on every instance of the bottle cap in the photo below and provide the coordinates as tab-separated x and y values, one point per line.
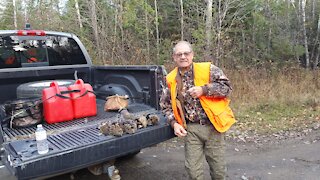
39	126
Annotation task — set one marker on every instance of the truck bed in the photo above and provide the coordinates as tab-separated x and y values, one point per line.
78	142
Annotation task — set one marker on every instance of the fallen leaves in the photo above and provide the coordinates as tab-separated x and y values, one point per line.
264	124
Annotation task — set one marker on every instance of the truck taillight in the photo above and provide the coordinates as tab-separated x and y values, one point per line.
31	33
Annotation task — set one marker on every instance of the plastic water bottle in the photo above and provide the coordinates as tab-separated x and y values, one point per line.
41	138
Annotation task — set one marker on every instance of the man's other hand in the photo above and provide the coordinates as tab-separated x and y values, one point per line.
179	130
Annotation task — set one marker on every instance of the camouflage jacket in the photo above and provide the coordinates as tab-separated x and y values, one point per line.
219	86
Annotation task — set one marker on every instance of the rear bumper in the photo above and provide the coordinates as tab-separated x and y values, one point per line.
98	148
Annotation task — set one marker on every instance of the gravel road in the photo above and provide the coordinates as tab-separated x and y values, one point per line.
294	158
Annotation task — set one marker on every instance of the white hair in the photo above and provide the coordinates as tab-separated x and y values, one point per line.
182	43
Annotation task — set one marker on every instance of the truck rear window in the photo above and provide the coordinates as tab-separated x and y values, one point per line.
26	51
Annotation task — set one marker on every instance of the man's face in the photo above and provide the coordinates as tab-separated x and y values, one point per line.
183	55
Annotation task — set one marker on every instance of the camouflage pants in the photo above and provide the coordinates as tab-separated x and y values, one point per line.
204	141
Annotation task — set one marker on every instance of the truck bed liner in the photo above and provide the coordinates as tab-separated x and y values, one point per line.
11	134
79	141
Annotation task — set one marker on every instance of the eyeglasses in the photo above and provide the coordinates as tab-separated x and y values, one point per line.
183	53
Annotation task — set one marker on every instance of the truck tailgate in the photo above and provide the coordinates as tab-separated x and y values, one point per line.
77	144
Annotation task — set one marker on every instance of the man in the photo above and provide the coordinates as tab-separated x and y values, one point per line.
196	106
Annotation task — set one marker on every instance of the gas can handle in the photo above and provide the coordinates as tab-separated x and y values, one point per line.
55	84
80	82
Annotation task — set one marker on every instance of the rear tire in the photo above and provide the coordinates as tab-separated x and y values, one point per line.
34	89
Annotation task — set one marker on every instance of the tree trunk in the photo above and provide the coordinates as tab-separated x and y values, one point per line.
288	15
78	13
121	30
25	11
316	40
313	10
94	22
295	36
270	27
208	51
303	14
252	49
48	15
316	59
181	19
157	30
14	14
147	33
39	12
199	18
243	43
114	44
219	34
94	25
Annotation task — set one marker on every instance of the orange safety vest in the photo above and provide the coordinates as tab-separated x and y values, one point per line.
217	109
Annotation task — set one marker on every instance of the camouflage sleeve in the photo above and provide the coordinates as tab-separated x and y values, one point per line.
219	85
165	104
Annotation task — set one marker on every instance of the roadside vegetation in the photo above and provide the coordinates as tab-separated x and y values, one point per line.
269	101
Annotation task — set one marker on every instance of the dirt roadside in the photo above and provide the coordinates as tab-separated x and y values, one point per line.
295	159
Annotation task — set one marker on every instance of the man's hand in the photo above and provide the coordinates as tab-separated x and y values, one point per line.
179	130
196	91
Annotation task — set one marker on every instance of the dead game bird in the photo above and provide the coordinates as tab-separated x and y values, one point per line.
129	126
111	128
152	119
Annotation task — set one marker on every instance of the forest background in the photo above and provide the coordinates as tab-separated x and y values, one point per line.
269	49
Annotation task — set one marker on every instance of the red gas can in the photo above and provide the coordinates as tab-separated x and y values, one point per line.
57	107
83	101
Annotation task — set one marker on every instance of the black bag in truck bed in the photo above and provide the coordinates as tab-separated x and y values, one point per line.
75	143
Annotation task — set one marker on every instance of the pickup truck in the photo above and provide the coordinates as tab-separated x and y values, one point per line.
29	60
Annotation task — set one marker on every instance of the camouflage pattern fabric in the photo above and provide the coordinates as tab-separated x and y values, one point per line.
24	112
201	142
